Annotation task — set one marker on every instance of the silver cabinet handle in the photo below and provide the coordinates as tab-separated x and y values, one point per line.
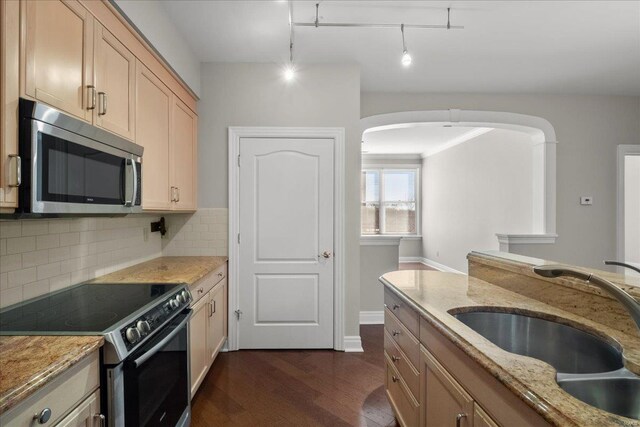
214	307
178	189
395	333
43	417
173	193
102	419
394	378
459	418
396	306
200	290
92	97
18	170
395	358
103	103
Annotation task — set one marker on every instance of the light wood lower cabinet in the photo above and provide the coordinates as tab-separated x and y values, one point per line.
72	399
445	387
208	324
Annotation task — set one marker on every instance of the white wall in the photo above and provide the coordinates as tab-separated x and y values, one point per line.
247	94
474	190
154	22
588	128
375	261
632	209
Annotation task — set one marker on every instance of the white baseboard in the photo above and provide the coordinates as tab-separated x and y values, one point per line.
430	263
353	344
372	317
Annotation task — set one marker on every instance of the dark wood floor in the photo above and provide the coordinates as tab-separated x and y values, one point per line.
297	388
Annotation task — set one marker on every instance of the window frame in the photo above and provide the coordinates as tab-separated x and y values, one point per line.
381	169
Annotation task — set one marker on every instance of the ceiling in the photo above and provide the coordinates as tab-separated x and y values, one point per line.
420	139
581	47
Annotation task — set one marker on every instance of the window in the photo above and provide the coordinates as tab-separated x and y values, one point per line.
389	201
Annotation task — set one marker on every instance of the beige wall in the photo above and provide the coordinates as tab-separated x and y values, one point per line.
474	190
588	129
375	261
257	95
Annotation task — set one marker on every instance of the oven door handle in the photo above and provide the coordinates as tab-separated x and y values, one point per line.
156	348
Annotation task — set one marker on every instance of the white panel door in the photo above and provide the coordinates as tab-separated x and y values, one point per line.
286	225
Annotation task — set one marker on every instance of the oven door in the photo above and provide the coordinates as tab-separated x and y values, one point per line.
74	174
156	379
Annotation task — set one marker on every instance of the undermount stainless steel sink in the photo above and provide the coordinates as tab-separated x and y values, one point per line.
567	349
620	396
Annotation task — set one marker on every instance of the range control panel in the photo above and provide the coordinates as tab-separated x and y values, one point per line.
154	318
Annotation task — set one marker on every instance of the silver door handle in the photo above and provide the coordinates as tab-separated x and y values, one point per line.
92	89
103	103
325	255
459	418
18	170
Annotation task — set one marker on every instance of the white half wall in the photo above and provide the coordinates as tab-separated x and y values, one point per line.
632	209
152	19
375	260
474	190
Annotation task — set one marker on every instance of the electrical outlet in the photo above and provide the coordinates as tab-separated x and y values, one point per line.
586	200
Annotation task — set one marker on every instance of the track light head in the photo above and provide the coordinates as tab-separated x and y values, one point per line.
406	59
289	72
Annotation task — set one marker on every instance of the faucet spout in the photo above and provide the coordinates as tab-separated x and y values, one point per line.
623	264
632	306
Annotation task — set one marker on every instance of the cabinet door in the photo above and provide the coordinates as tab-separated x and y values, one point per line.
217	315
153	111
184	156
86	414
58	55
481	418
115	72
9	94
198	343
445	402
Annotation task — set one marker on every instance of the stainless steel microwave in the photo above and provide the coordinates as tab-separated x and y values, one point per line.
70	167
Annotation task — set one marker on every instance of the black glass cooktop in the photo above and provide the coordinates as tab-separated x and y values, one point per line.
86	309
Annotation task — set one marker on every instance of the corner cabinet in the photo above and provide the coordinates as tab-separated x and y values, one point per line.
83	58
432	383
208	324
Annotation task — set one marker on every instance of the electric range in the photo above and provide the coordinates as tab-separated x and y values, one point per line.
145	358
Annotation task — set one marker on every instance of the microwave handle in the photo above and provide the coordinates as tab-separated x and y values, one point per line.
131	181
156	348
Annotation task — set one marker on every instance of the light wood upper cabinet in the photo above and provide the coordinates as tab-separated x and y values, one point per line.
58	55
115	76
184	160
153	117
9	94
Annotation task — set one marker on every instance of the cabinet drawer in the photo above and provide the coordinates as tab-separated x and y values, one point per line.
60	396
408	316
404	405
204	285
408	373
407	342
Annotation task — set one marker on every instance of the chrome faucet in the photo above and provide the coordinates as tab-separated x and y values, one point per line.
632	306
623	264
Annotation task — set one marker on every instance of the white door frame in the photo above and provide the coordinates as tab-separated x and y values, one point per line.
337	134
623	150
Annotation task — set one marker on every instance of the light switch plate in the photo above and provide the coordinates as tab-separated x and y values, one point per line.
586	200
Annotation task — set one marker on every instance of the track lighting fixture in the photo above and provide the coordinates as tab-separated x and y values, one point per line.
406	58
290	71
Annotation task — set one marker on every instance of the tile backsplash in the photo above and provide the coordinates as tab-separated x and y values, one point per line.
41	256
203	233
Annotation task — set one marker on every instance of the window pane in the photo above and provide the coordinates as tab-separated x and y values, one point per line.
399	186
370	218
399	218
370	186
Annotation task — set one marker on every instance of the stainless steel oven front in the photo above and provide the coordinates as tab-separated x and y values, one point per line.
151	387
70	167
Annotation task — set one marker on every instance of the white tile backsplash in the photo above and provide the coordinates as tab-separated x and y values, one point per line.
203	233
40	256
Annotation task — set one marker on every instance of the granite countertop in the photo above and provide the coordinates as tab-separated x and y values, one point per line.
169	269
437	295
28	363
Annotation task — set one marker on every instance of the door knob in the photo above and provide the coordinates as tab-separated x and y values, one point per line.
325	254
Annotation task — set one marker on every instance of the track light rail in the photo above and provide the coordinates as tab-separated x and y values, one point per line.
358	25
